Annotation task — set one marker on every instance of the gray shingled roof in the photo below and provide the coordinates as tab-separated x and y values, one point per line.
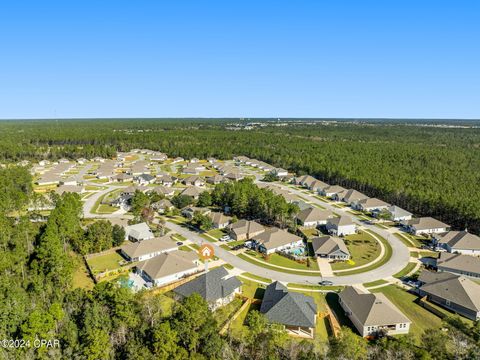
168	264
149	246
455	288
211	286
425	223
459	262
314	214
372	309
288	308
461	240
328	245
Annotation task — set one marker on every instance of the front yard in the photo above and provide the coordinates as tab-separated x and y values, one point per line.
363	249
421	318
279	260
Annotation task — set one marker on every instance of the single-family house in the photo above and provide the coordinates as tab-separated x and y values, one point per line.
461	242
193	192
168	267
330	247
245	229
351	196
162	206
190	211
426	225
216	286
69	181
194	181
163	190
459	264
166	180
398	214
370	204
147	249
215	179
372	314
313	217
341	226
234	176
296	311
144	179
123	177
275	239
331	191
220	221
305	180
138	232
279	172
454	292
317	186
177	160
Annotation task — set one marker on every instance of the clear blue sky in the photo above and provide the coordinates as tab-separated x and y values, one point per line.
113	58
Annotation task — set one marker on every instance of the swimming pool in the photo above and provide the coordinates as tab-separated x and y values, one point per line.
297	251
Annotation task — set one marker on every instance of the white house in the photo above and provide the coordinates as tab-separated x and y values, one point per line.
426	225
313	217
461	242
341	226
138	232
398	214
275	239
147	249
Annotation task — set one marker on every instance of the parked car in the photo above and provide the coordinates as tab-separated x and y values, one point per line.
225	238
179	243
325	283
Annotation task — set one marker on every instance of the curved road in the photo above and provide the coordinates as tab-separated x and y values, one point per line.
400	253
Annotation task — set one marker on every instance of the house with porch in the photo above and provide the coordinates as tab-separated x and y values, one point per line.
461	242
372	314
330	247
295	311
216	286
313	217
168	267
275	239
454	292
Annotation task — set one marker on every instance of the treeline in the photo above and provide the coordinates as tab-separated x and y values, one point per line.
245	199
430	171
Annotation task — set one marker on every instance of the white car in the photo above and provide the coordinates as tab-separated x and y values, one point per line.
225	238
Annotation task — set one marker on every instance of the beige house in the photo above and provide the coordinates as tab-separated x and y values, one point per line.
275	239
373	314
245	229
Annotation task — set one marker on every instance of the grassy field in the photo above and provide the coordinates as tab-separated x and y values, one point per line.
216	233
363	249
279	260
110	261
421	318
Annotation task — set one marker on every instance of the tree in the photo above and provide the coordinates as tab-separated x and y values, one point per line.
181	201
201	221
435	341
98	237
348	346
140	201
118	235
204	199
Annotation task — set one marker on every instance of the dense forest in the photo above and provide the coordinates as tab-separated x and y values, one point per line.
429	170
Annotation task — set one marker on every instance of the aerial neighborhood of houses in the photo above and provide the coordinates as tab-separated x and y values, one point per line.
340	241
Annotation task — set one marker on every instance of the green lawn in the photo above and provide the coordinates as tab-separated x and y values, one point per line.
410	266
105	209
184	248
315	287
256	277
410	240
216	233
309	232
375	283
363	249
265	265
81	278
105	262
279	260
226	312
252	289
421	318
383	260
